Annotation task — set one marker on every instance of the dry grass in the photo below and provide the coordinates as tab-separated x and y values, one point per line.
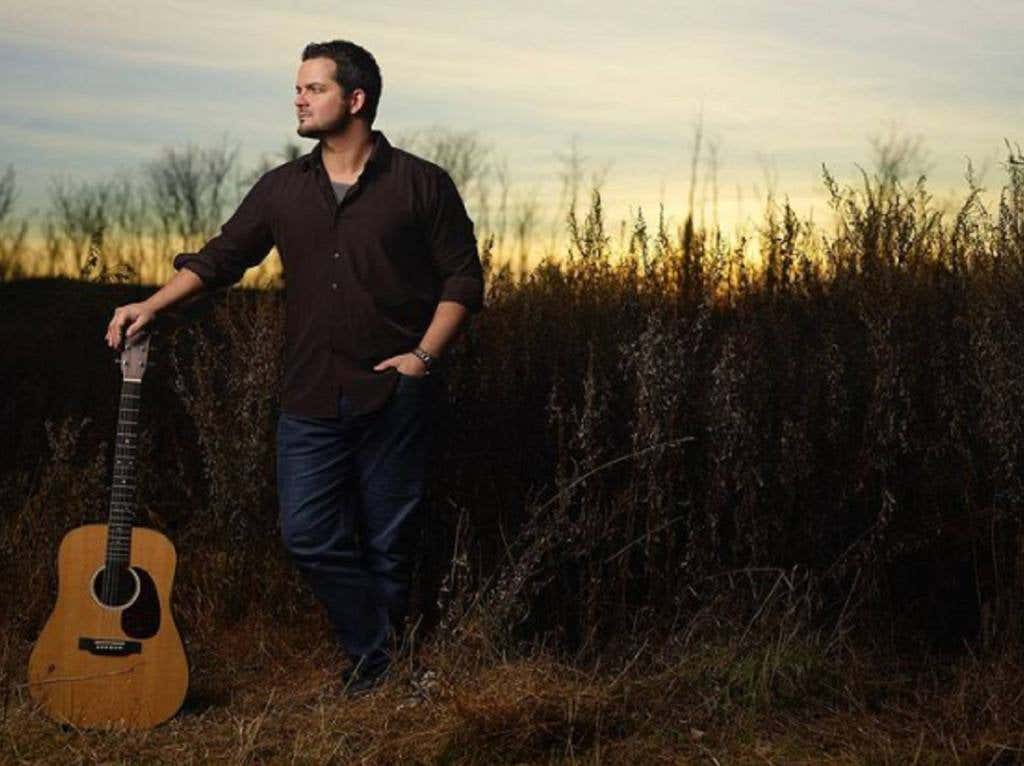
265	693
683	510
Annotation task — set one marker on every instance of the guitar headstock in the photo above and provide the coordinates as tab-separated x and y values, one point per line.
134	356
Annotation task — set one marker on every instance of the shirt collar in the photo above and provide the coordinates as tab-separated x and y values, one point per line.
379	152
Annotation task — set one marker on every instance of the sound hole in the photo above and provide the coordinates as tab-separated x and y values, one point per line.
115	586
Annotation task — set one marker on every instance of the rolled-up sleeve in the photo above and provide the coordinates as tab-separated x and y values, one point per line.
244	241
453	245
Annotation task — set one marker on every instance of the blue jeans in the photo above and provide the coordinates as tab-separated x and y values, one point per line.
352	495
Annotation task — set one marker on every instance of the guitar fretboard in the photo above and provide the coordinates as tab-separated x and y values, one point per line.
122	491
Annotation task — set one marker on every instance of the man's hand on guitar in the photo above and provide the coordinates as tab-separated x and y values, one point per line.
133	315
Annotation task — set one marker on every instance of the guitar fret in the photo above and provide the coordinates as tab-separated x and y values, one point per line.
123	485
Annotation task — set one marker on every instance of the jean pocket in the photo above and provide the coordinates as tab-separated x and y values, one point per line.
402	376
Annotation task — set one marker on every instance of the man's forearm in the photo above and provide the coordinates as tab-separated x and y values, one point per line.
448	318
183	284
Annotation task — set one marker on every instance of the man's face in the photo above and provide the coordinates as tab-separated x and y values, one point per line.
321	105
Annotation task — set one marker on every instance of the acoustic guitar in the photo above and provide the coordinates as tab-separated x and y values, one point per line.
110	655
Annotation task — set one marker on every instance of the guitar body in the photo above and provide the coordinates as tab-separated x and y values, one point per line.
111	656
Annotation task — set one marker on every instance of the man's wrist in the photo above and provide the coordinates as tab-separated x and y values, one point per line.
428	359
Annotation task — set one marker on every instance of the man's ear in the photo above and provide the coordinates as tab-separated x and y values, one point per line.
358	101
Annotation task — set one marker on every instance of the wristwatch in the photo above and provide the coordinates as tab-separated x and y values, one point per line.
426	358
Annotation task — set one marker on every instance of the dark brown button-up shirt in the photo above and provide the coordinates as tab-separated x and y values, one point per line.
362	276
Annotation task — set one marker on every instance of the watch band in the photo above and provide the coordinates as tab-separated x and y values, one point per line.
426	358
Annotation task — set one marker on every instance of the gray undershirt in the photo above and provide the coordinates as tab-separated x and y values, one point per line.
339	189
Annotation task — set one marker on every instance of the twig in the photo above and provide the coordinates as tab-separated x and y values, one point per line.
610	463
642	538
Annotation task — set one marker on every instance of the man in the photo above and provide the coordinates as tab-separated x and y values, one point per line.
381	270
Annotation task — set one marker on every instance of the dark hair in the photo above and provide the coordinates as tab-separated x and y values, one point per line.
354	68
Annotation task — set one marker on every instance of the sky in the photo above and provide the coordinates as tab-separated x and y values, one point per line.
781	88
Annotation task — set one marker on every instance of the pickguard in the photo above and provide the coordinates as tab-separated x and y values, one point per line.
142	619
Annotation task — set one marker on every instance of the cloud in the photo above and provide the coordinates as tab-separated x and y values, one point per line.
795	83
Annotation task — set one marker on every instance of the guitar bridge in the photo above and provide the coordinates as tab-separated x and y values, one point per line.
110	647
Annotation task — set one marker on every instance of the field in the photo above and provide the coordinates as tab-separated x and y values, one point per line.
685	510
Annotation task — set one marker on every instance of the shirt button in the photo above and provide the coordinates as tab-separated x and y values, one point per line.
334	285
337	256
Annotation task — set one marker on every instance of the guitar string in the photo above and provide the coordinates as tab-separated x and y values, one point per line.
121	512
115	547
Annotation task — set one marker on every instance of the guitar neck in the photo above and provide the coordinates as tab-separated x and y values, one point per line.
122	491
